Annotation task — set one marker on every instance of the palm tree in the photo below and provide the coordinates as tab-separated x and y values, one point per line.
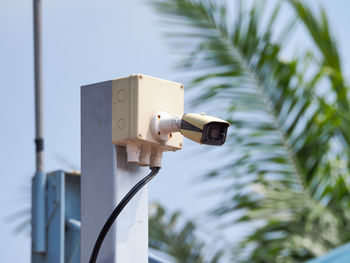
178	237
290	137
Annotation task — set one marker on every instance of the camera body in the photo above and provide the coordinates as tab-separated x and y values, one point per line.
204	129
200	128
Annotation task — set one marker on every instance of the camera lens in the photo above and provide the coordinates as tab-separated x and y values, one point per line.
214	133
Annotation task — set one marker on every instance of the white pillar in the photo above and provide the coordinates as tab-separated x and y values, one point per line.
106	178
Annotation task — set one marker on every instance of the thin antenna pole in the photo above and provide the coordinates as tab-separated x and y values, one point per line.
39	131
39	180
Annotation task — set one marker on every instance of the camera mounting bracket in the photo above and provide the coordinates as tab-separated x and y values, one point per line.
163	125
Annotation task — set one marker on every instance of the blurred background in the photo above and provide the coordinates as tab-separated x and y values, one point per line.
278	191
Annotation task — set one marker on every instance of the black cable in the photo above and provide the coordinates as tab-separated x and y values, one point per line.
117	211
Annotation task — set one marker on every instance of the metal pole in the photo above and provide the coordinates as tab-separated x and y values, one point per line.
39	180
106	178
39	132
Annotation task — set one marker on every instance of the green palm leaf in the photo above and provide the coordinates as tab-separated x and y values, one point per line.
289	142
178	238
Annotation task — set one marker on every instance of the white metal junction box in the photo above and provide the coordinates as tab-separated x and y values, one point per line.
135	101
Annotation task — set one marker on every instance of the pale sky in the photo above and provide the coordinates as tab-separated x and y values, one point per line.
84	42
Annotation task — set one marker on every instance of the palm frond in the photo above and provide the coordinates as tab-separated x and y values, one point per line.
285	136
179	238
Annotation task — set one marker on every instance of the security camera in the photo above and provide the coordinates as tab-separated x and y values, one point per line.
200	128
